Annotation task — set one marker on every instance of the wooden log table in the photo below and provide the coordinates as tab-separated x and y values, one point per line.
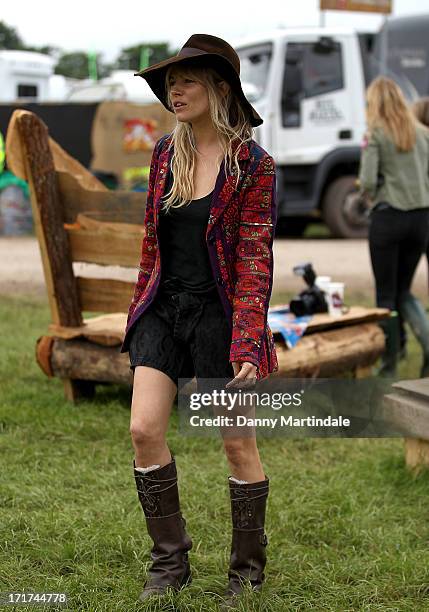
330	347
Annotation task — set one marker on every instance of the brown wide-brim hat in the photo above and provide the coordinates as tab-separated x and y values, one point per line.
202	50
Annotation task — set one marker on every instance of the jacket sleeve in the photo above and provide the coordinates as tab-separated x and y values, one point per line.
369	163
254	263
148	252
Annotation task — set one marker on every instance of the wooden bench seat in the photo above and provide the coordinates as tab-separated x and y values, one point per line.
78	222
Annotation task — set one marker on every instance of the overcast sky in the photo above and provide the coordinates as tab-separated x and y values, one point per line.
106	27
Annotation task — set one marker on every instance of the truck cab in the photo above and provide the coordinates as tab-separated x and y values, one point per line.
309	86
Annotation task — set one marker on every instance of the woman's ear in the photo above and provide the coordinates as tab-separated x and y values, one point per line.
224	87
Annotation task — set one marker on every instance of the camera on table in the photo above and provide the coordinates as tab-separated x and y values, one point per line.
311	300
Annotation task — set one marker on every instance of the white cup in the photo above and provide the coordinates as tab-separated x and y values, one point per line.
322	282
335	299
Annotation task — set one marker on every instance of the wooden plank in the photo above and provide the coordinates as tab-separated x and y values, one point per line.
106	329
408	413
416	454
109	249
45	202
120	206
367	6
418	388
104	295
330	353
356	314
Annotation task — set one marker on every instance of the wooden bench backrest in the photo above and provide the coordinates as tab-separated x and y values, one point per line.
75	221
103	228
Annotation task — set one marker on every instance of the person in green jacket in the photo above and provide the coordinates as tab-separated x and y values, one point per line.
394	174
2	153
421	111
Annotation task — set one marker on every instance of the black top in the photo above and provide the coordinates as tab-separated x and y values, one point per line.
185	262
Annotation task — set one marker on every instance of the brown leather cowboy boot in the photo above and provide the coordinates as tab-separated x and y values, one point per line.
159	497
248	554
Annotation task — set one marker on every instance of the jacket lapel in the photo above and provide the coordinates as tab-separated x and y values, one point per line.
164	161
224	186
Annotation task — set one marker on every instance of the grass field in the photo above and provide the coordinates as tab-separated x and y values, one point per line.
347	525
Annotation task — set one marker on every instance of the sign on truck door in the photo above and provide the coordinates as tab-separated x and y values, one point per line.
319	129
315	107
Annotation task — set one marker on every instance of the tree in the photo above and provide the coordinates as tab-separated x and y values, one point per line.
9	37
75	65
11	40
129	58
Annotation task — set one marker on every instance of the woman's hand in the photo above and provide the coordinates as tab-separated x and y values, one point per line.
244	375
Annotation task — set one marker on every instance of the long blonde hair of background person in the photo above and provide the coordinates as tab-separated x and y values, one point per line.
230	122
387	109
421	111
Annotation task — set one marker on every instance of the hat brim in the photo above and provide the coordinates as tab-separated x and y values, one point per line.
155	77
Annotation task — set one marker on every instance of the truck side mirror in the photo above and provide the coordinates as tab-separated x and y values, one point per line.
324	45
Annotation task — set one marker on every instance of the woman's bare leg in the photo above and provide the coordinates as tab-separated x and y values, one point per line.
153	397
243	458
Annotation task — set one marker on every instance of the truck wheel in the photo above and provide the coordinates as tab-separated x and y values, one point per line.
291	226
344	210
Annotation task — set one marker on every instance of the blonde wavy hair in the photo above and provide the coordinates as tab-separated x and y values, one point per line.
387	109
230	122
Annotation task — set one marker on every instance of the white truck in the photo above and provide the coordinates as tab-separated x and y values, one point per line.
309	85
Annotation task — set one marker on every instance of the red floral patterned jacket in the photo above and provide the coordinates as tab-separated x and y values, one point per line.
239	239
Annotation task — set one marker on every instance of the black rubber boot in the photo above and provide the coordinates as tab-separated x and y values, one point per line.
159	497
403	338
415	315
389	359
249	541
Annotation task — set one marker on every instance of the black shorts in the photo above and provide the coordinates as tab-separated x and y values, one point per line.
185	336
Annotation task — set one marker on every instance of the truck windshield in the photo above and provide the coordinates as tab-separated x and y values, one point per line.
254	67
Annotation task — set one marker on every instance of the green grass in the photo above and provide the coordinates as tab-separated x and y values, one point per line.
317	230
347	524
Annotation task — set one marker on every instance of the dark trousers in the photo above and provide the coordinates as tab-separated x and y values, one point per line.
397	240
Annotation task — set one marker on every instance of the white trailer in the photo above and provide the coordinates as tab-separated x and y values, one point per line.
24	76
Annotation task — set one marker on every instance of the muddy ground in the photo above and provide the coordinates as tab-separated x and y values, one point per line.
21	270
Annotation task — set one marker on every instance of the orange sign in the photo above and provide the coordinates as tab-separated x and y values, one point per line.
369	6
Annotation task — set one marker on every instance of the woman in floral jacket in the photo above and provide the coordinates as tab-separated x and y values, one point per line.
210	220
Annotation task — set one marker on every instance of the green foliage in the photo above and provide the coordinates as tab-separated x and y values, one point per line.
347	525
129	58
73	65
9	37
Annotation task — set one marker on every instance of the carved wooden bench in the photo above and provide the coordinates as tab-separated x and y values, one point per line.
80	223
